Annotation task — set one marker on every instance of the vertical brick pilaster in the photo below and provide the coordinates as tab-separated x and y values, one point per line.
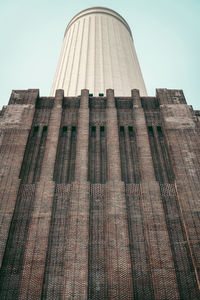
76	258
135	94
117	240
81	165
35	253
114	170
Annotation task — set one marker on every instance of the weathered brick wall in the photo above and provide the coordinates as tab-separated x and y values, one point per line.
15	123
182	132
99	197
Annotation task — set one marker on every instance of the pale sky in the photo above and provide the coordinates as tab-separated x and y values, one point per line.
166	35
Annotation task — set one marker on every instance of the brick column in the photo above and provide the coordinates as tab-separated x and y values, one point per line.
81	165
76	258
36	247
117	240
156	234
114	169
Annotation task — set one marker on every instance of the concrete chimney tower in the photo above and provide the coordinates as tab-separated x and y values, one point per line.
98	53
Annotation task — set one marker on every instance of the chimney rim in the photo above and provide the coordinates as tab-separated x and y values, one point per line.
96	10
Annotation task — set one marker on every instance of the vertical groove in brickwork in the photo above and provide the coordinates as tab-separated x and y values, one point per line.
40	156
33	158
10	274
72	60
103	149
134	152
160	254
80	54
97	277
158	168
70	173
65	63
159	142
64	149
31	151
129	154
66	154
97	165
160	154
185	273
123	156
94	167
53	284
91	163
140	260
97	155
166	157
62	156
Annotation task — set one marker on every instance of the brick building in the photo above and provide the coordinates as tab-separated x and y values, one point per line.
99	196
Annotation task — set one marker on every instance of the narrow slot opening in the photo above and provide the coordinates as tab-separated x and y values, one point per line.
73	128
150	129
36	128
102	128
121	128
130	128
93	128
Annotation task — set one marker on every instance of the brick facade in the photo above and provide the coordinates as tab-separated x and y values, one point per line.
99	197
